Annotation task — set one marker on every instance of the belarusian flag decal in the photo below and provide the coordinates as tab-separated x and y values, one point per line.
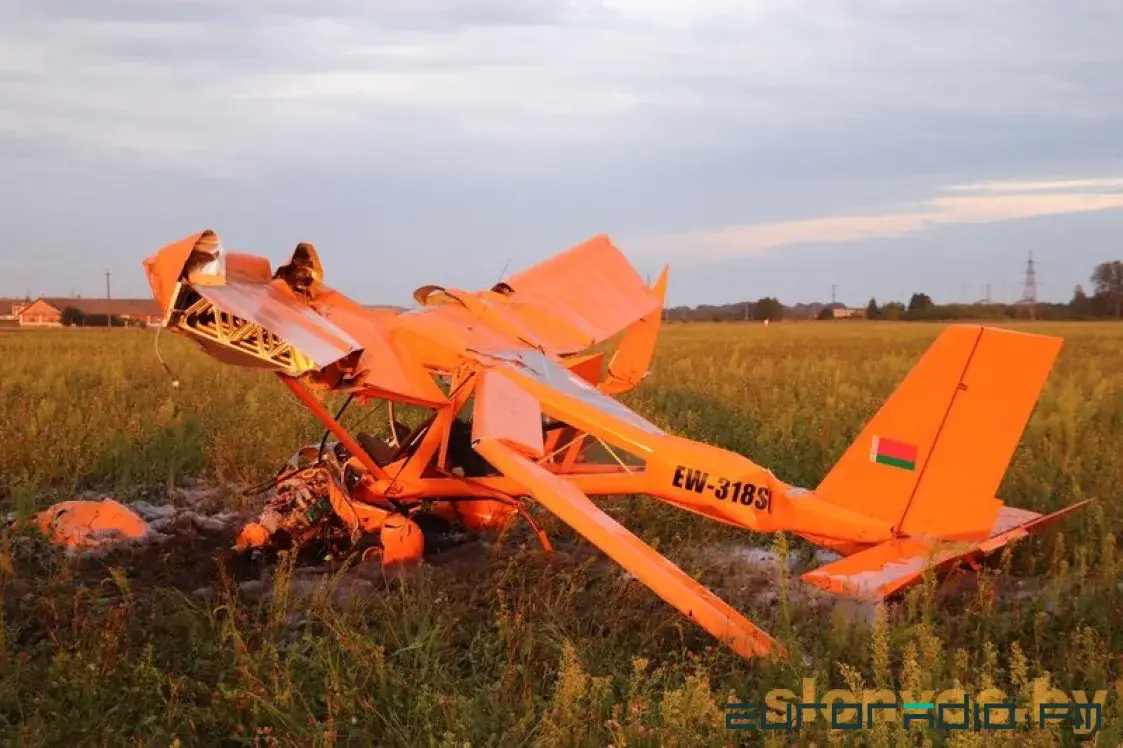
892	452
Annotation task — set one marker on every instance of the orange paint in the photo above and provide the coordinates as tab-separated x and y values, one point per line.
82	523
402	541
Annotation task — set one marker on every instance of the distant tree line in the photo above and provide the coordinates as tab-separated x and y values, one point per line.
1104	302
768	308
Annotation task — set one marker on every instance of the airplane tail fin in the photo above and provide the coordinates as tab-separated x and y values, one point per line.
931	460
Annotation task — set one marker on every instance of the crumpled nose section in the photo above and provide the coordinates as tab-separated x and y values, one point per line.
85	523
165	267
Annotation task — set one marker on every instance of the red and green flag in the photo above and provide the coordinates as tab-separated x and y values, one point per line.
892	452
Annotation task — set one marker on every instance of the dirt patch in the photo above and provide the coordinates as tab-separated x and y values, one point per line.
189	547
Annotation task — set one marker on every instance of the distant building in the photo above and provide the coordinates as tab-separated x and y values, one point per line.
841	312
48	311
8	316
38	313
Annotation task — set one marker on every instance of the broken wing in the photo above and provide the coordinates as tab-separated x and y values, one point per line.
592	285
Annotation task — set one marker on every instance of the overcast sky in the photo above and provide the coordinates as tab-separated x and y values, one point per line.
762	147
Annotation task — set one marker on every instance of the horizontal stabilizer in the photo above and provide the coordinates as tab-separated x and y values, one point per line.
1014	523
880	571
888	568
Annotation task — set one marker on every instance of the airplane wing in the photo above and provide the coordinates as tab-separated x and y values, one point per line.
385	369
507	419
592	285
235	308
562	306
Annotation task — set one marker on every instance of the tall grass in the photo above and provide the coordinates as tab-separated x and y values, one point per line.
517	649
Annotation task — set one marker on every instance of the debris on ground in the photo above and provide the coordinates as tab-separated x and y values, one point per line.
94	527
79	524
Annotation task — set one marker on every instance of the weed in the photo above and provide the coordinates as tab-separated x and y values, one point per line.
515	650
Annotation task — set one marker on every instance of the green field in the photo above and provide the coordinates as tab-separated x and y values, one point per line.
513	649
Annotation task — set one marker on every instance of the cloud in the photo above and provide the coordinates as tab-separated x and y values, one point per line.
506	129
210	84
1110	184
998	201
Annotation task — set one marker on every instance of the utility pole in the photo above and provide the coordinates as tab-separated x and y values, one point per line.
1029	293
108	295
1029	290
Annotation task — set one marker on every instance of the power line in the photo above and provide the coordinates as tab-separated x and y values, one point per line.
1029	287
1029	290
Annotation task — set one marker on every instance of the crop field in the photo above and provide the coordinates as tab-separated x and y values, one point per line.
186	643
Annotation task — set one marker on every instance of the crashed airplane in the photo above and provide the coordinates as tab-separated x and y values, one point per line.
522	412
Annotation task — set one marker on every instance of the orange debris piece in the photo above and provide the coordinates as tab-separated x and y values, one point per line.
402	541
252	535
86	523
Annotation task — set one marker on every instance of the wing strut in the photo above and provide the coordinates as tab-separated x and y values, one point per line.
664	578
